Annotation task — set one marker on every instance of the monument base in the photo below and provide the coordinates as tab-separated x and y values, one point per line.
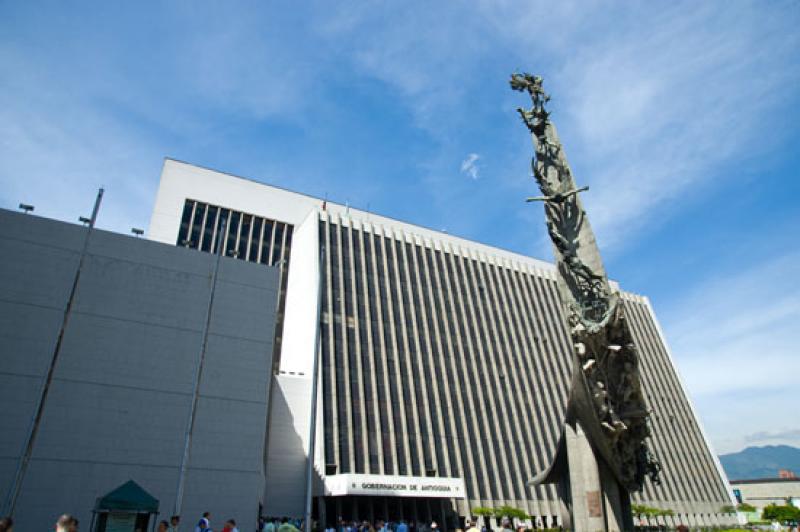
593	497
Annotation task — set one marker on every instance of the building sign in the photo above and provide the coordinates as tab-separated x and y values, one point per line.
395	486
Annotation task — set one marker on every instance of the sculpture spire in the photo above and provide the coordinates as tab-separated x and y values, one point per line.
606	397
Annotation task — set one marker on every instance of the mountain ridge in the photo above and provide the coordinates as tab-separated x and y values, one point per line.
760	462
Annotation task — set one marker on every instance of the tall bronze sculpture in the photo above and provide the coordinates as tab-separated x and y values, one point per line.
602	455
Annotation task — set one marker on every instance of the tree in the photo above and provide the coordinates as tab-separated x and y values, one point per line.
744	507
481	511
727	509
510	512
783	513
640	510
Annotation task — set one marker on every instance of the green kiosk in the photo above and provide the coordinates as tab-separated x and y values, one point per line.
128	508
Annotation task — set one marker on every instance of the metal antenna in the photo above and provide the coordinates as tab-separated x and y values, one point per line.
96	207
89	222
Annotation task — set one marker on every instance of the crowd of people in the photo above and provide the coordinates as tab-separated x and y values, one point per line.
471	525
283	524
65	523
204	525
68	523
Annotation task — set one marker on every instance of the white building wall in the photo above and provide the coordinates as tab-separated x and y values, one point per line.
302	294
289	446
180	181
760	493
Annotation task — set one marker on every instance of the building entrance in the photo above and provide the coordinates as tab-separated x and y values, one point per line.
417	512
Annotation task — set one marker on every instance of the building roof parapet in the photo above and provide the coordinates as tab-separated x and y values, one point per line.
772	480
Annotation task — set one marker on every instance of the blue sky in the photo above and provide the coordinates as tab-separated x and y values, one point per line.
682	117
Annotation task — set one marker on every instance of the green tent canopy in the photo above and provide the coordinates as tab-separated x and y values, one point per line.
129	497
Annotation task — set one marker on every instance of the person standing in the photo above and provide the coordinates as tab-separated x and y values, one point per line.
174	522
270	525
402	527
505	525
204	525
470	525
230	526
286	526
67	523
6	524
163	526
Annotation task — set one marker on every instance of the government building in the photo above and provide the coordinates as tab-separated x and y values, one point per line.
262	351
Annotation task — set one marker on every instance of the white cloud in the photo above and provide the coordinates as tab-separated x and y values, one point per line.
469	165
735	342
653	100
659	108
95	106
58	150
735	319
763	437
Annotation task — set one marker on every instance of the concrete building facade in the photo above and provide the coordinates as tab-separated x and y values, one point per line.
273	349
119	340
439	358
765	491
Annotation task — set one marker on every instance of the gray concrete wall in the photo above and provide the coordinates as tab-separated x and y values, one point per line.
120	397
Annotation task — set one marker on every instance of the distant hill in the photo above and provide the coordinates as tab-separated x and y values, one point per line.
761	462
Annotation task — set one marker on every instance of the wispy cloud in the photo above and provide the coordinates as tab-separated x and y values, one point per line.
469	166
735	341
653	101
790	436
657	108
57	151
104	105
733	319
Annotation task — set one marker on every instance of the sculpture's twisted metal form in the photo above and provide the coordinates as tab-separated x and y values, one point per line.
606	396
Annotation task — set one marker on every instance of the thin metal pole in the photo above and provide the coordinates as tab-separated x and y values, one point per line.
187	446
96	207
33	430
314	378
